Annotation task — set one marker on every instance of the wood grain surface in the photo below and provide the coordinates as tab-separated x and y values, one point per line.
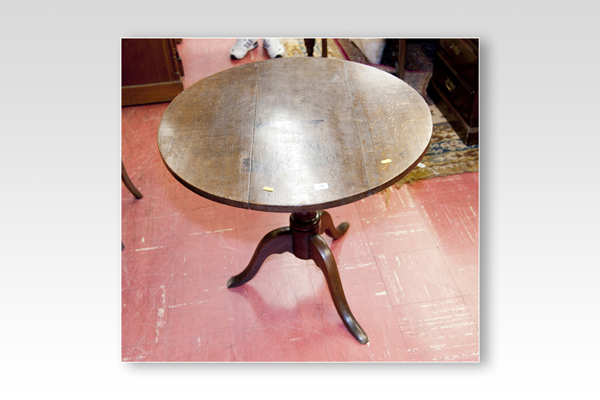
314	130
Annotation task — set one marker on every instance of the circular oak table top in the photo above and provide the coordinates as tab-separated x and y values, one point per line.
294	134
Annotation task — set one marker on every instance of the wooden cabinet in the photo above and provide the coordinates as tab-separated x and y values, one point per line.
455	85
151	71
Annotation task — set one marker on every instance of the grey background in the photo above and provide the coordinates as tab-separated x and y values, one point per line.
60	204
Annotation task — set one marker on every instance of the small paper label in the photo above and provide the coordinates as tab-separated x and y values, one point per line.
268	189
320	186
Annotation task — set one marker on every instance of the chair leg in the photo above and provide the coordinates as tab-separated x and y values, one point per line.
128	184
132	189
401	57
310	45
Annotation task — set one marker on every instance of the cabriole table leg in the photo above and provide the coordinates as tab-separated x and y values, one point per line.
275	242
321	255
329	228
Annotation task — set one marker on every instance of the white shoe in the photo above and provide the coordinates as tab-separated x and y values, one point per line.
242	47
274	48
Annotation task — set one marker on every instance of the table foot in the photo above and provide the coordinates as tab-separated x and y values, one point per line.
329	228
275	242
321	255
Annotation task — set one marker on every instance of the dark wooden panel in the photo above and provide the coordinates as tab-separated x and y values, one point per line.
455	89
463	57
145	61
150	71
148	94
455	85
469	134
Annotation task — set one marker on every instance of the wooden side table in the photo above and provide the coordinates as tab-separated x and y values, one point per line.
296	135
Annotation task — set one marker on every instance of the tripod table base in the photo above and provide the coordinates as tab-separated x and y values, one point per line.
303	239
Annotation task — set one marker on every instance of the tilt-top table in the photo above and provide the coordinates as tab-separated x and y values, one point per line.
295	135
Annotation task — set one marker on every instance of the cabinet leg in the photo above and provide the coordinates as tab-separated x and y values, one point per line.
128	184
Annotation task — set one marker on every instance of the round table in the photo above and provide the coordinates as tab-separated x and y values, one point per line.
295	135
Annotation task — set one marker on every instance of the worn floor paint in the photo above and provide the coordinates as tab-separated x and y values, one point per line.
409	266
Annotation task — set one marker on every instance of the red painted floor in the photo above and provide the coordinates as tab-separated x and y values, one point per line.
410	269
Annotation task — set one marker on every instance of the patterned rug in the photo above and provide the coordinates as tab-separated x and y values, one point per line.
447	154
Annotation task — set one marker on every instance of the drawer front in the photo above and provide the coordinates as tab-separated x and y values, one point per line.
461	96
463	58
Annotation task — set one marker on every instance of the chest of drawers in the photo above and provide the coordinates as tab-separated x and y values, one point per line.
454	86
